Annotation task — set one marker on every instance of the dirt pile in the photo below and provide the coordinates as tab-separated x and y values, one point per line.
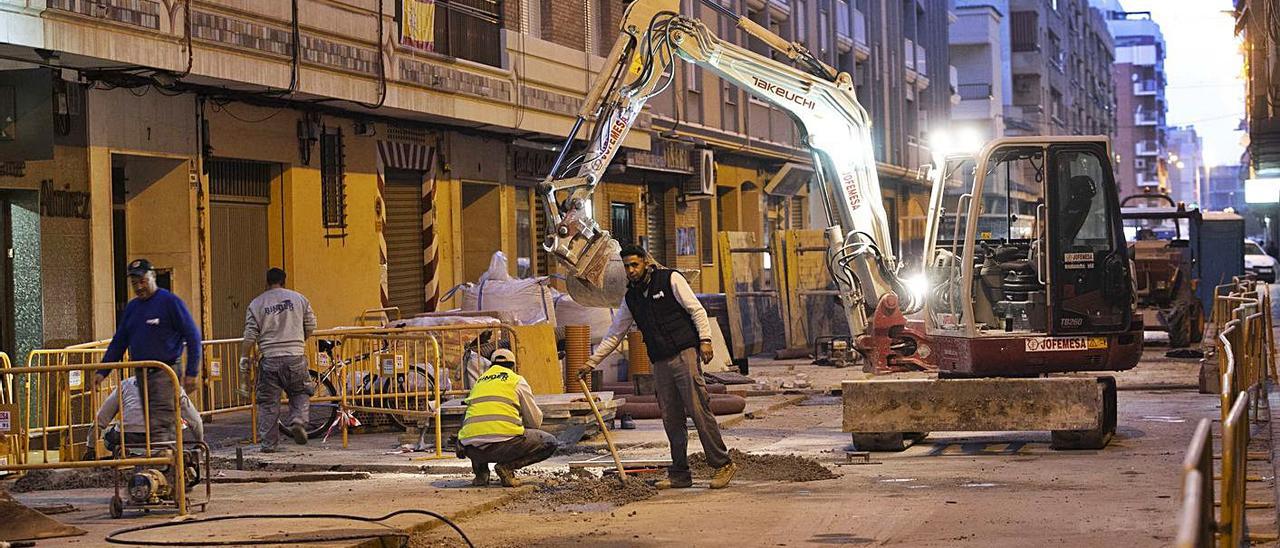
56	480
765	467
565	490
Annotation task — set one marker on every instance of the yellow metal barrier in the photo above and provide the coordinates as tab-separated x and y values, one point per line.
1235	442
1196	526
8	412
1245	345
39	386
221	389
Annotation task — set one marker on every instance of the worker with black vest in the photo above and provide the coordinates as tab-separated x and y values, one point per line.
501	424
677	334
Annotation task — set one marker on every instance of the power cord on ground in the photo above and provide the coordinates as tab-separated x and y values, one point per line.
390	531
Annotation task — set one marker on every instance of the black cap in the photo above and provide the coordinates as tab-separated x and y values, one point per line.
139	267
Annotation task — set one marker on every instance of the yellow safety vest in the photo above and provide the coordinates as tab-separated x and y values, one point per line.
493	408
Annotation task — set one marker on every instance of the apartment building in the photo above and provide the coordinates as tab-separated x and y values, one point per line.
382	150
1033	67
1142	142
1186	167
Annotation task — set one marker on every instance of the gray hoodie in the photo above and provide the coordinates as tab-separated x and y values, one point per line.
279	320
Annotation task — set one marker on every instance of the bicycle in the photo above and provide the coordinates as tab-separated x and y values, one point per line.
323	414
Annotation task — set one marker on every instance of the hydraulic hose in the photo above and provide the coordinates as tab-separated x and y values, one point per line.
384	532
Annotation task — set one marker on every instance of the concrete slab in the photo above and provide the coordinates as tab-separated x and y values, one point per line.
972	404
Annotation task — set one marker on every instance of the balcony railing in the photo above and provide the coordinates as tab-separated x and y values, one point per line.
1143	118
921	67
909	53
975	92
1145	87
1146	148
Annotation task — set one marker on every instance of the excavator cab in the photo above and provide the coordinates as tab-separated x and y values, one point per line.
1028	267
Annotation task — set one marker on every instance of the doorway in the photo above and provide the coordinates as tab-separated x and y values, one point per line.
403	232
239	195
481	228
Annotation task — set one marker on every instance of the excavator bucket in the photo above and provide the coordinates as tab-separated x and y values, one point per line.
18	522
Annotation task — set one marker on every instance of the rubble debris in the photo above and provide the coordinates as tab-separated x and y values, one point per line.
561	490
765	467
57	480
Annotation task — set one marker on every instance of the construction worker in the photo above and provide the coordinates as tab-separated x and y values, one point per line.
155	326
677	334
501	424
126	401
279	322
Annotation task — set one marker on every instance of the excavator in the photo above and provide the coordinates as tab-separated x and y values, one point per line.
1025	264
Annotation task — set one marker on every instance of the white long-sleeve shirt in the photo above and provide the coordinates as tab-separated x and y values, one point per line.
134	414
623	322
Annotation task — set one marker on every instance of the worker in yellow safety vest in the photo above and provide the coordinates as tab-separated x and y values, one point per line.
501	424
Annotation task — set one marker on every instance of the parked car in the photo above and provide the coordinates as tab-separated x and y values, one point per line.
1258	263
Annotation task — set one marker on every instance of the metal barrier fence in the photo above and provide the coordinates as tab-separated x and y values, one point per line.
8	413
1245	347
387	373
39	394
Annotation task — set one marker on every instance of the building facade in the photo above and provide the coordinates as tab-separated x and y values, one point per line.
1256	24
1142	142
1187	170
381	151
1046	65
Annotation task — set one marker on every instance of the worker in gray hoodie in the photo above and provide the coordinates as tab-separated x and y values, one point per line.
279	322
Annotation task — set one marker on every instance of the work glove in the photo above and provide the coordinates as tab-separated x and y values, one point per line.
244	364
585	371
243	388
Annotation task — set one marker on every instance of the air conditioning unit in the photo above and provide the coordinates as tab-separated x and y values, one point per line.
703	181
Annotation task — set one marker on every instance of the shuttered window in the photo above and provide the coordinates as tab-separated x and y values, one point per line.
1024	28
333	187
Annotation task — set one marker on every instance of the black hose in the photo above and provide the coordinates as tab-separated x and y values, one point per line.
113	538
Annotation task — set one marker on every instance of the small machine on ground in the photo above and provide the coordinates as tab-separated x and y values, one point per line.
147	488
1164	243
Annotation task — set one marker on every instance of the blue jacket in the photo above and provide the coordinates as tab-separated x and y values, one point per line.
154	329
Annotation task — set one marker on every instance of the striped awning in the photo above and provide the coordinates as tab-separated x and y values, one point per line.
399	155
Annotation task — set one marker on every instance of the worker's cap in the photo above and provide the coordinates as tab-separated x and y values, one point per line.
502	356
139	267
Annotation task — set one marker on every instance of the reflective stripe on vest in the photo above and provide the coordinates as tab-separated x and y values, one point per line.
492	408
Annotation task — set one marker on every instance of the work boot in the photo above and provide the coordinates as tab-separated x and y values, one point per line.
299	434
506	475
268	449
627	423
673	484
723	475
481	479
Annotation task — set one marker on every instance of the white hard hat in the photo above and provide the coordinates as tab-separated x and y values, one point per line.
503	356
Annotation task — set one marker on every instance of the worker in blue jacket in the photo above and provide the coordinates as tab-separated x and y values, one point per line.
155	326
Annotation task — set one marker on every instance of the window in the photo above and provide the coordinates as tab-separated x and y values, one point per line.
1056	54
824	24
622	222
708	232
333	186
470	29
1024	25
1010	195
729	111
1081	205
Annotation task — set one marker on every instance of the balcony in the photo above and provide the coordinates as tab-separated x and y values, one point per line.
1147	179
975	92
1144	118
909	54
1146	148
921	67
1145	87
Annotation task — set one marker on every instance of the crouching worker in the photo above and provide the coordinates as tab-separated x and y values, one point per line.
501	424
127	400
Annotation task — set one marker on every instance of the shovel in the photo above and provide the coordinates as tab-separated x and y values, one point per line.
586	390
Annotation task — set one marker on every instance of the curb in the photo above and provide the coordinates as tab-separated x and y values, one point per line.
432	523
